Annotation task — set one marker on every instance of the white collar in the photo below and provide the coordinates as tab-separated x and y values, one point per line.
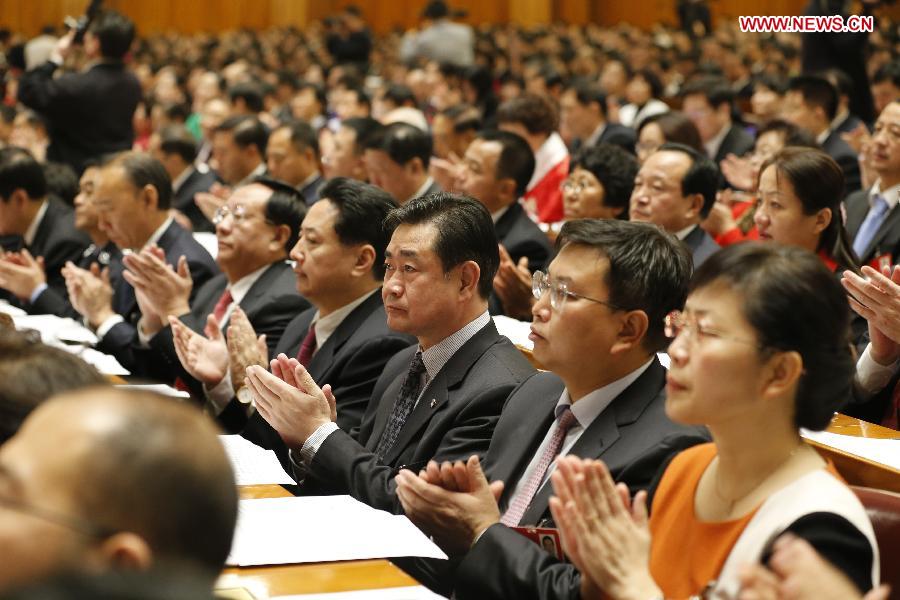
440	354
259	170
683	233
595	136
240	287
590	406
327	325
820	139
890	195
429	181
154	239
495	216
839	118
31	232
713	145
182	177
312	177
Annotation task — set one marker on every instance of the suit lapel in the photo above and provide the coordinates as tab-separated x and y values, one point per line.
511	462
856	212
323	359
891	223
506	221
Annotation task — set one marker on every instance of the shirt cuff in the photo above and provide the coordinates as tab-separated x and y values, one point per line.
220	395
108	324
143	338
314	442
871	376
37	293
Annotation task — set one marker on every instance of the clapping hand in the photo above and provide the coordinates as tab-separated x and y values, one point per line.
244	347
205	358
21	273
512	284
90	292
876	298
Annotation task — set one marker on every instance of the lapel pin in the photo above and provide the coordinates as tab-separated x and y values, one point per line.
433	402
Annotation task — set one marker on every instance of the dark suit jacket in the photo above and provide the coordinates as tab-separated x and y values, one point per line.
55	239
351	361
175	242
887	238
844	155
620	135
633	436
271	302
53	302
454	419
521	237
88	114
310	191
701	245
183	198
848	124
737	142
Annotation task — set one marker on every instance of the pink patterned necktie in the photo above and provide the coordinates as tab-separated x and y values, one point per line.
521	501
222	305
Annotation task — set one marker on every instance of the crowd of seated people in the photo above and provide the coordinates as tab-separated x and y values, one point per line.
315	234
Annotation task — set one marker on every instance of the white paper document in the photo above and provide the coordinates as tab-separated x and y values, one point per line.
886	452
55	329
105	363
157	388
13	311
251	464
413	592
277	531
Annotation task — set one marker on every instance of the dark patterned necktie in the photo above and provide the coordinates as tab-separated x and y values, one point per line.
406	399
307	347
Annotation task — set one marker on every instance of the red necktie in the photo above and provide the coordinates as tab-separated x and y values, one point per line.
222	306
307	347
522	500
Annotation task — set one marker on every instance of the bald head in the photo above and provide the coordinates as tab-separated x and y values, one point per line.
146	474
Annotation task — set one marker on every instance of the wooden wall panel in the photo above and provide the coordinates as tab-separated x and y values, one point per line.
187	16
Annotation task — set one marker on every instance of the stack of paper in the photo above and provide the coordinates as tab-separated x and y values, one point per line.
253	465
278	531
886	452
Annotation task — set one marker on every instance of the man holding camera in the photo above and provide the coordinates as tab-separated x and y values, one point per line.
89	113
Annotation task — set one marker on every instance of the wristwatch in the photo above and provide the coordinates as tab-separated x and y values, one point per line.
244	395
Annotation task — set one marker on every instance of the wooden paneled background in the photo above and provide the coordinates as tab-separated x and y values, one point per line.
189	16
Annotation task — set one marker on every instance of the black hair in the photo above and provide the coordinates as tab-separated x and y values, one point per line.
464	228
588	93
250	93
818	183
649	269
362	209
676	127
840	80
516	160
615	169
246	131
535	113
399	95
776	84
285	206
31	372
303	136
464	117
176	139
361	96
318	90
115	32
656	86
702	177
795	304
888	72
402	142
793	135
816	91
142	169
20	170
364	127
62	181
715	89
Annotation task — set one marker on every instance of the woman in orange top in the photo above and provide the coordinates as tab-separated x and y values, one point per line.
759	351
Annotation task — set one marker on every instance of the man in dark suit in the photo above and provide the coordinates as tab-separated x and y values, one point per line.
101	250
496	170
675	189
397	159
709	103
343	339
33	225
440	399
873	219
844	120
605	399
133	199
255	230
582	119
811	103
176	148
89	114
292	156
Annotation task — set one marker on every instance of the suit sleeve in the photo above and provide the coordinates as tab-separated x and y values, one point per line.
38	90
52	302
343	465
504	564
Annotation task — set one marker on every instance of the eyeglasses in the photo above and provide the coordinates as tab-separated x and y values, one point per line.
573	187
75	524
559	291
677	322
